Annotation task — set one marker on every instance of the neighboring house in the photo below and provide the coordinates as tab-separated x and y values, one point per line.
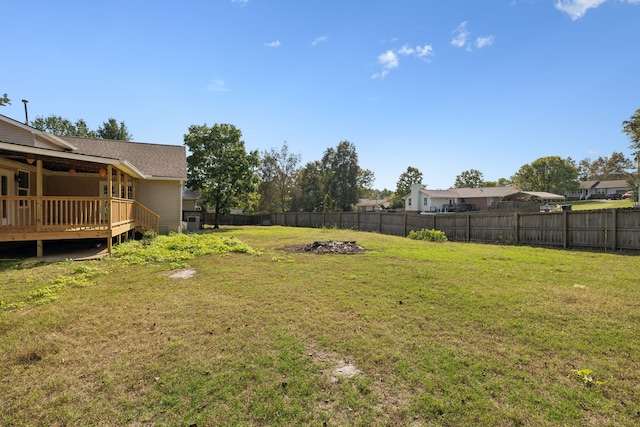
58	188
455	199
190	200
372	205
600	189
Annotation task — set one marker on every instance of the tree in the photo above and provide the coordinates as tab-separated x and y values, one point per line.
311	184
112	130
632	128
365	182
550	174
342	177
4	100
407	179
60	126
471	178
501	182
605	168
403	185
278	172
220	168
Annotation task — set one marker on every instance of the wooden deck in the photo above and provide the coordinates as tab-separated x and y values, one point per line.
57	218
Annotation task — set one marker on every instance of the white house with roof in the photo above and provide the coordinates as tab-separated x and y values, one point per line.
455	199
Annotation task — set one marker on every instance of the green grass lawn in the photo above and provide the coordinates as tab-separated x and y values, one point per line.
600	204
450	334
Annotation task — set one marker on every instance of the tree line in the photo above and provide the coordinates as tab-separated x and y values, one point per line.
227	176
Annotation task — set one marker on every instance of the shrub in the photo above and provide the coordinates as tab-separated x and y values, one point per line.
429	235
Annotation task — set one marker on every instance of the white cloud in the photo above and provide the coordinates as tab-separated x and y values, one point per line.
240	2
461	35
390	59
319	40
217	86
577	8
406	50
424	51
273	44
484	42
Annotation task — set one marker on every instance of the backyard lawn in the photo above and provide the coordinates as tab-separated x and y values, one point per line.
241	326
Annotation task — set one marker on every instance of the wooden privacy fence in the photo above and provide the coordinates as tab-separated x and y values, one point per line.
608	229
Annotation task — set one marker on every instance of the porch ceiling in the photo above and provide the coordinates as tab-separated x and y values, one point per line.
55	164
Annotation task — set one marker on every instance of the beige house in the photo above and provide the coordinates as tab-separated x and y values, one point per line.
59	188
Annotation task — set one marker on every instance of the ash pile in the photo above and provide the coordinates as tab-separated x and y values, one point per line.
331	247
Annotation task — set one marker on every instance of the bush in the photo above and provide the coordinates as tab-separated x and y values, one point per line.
429	235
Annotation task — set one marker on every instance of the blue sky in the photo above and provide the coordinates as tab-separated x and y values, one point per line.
444	86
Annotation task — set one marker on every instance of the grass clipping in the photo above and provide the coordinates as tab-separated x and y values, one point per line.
177	249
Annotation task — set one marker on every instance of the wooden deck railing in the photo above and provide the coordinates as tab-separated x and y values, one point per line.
145	218
20	214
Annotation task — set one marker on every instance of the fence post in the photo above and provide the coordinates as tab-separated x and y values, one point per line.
565	232
517	229
614	229
468	227
404	224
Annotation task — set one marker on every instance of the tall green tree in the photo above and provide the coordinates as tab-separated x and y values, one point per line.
471	178
111	129
4	100
406	180
342	177
220	168
311	188
278	173
550	174
616	166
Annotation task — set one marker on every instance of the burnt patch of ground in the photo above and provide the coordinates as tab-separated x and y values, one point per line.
322	247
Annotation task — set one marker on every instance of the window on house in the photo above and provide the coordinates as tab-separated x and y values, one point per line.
23	183
425	202
409	201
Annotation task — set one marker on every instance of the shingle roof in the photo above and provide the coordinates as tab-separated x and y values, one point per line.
588	184
154	160
618	183
470	193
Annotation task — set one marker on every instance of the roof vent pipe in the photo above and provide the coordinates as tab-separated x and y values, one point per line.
26	113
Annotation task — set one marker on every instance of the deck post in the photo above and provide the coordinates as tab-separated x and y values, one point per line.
39	194
110	207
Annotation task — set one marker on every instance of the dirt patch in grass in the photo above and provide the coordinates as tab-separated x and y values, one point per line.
183	273
327	247
340	366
